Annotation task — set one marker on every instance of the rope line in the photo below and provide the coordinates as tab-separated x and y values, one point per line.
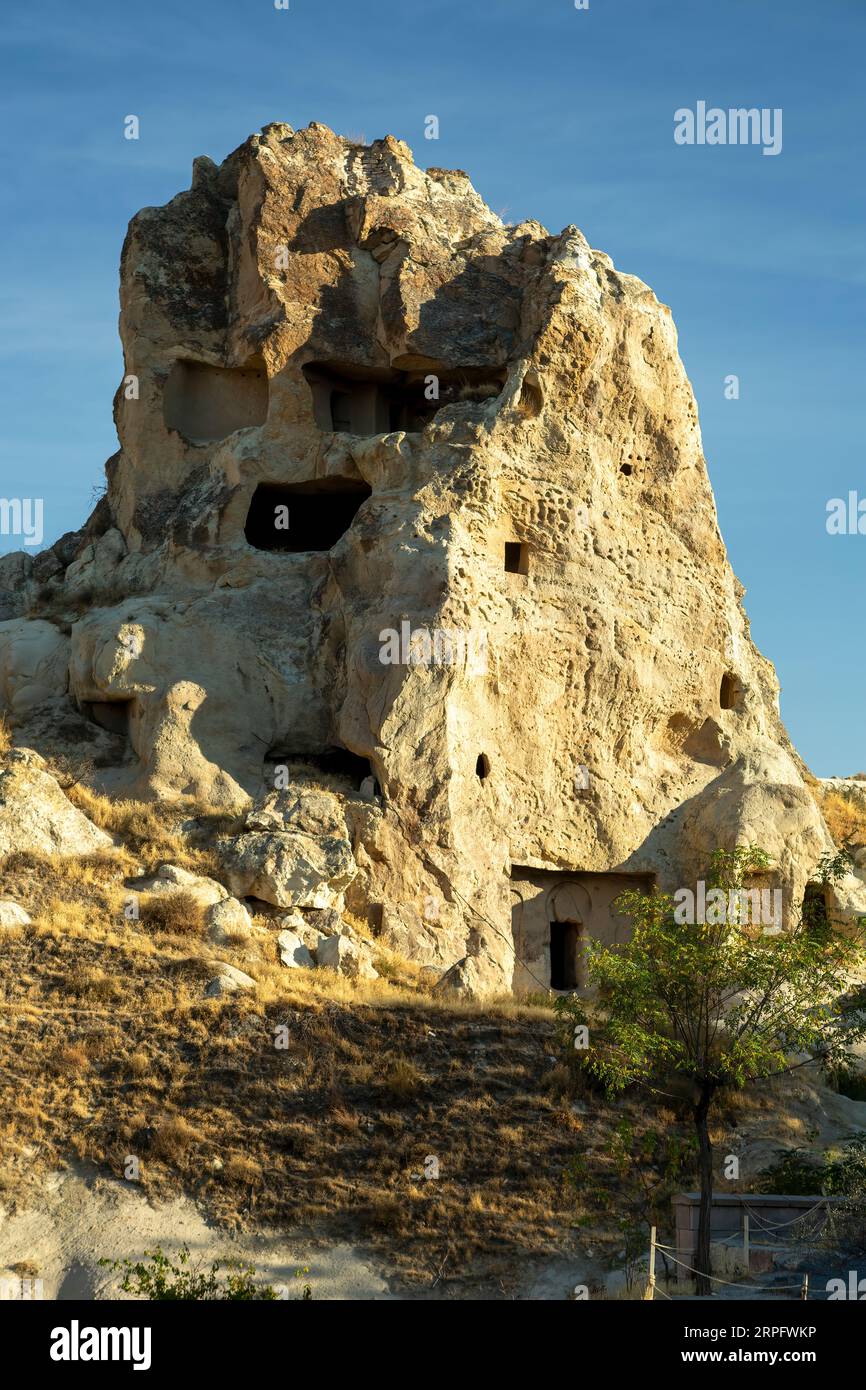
730	1284
779	1225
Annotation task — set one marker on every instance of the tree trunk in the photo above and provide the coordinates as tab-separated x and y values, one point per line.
705	1167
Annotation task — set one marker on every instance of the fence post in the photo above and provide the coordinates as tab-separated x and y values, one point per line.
746	1239
804	1292
651	1286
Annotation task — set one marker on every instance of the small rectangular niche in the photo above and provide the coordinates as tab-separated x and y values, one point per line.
206	403
112	715
516	557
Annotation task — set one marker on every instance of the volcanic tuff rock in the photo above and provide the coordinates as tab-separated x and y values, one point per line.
13	914
36	817
575	690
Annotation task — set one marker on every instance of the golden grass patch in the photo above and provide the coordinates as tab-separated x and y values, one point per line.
69	1059
401	1079
178	914
173	1138
845	817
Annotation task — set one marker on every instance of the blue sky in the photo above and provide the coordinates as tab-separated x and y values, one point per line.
557	114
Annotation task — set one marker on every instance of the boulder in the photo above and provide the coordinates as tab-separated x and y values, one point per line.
228	981
301	810
289	869
293	952
326	921
297	924
15	572
12	914
34	661
36	817
295	851
170	878
345	956
227	918
473	977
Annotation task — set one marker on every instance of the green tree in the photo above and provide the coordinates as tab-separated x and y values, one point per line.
719	1004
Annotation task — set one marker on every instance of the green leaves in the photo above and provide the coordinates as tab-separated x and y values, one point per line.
721	1003
158	1278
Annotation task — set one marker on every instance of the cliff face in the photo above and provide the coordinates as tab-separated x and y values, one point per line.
406	492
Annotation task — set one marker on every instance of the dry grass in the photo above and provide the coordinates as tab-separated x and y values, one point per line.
70	1059
151	830
109	1049
179	914
173	1140
401	1080
845	817
5	736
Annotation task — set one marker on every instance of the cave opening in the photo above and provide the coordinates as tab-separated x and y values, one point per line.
816	918
112	715
380	400
516	558
566	955
283	765
730	692
299	517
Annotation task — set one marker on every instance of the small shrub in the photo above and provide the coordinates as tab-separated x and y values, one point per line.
180	913
241	1169
840	1172
70	1059
402	1080
162	1279
91	982
173	1137
138	1065
5	736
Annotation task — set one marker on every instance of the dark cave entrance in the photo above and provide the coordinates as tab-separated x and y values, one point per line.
336	762
730	692
302	517
816	918
566	950
516	558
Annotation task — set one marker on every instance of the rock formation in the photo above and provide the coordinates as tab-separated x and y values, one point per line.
409	554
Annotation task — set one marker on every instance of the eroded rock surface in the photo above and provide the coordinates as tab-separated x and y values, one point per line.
415	499
35	815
